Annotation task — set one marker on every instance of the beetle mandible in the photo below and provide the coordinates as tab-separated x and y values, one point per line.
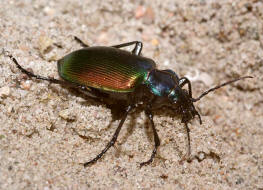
113	73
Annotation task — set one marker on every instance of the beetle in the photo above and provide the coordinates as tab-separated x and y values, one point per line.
128	78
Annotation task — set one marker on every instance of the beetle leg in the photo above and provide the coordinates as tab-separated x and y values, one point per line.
156	138
137	49
189	141
113	140
83	44
183	81
30	74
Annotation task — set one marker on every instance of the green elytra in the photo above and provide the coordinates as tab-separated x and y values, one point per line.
105	68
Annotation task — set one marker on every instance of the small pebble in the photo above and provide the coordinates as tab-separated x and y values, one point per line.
67	115
102	38
146	13
139	12
155	42
149	16
4	91
201	156
196	75
45	44
49	11
26	85
166	63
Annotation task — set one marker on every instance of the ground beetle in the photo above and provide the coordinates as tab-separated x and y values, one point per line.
127	77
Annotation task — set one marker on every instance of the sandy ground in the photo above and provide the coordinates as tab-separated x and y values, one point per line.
46	130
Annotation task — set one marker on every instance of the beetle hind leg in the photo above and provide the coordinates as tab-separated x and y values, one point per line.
156	139
113	140
30	74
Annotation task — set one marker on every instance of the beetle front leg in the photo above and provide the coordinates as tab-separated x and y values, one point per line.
183	81
189	142
113	140
156	138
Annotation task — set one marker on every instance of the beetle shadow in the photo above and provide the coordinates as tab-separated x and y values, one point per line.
117	111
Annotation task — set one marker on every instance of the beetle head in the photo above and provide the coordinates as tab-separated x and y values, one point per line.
184	101
184	104
166	84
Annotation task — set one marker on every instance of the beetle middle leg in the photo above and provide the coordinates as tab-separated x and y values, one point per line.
137	49
156	138
113	140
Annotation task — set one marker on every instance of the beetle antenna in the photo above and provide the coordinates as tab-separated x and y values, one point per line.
219	86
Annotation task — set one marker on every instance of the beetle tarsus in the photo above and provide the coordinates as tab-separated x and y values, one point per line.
113	140
83	44
200	156
188	141
151	159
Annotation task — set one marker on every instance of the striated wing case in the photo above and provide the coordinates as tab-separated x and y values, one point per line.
105	68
